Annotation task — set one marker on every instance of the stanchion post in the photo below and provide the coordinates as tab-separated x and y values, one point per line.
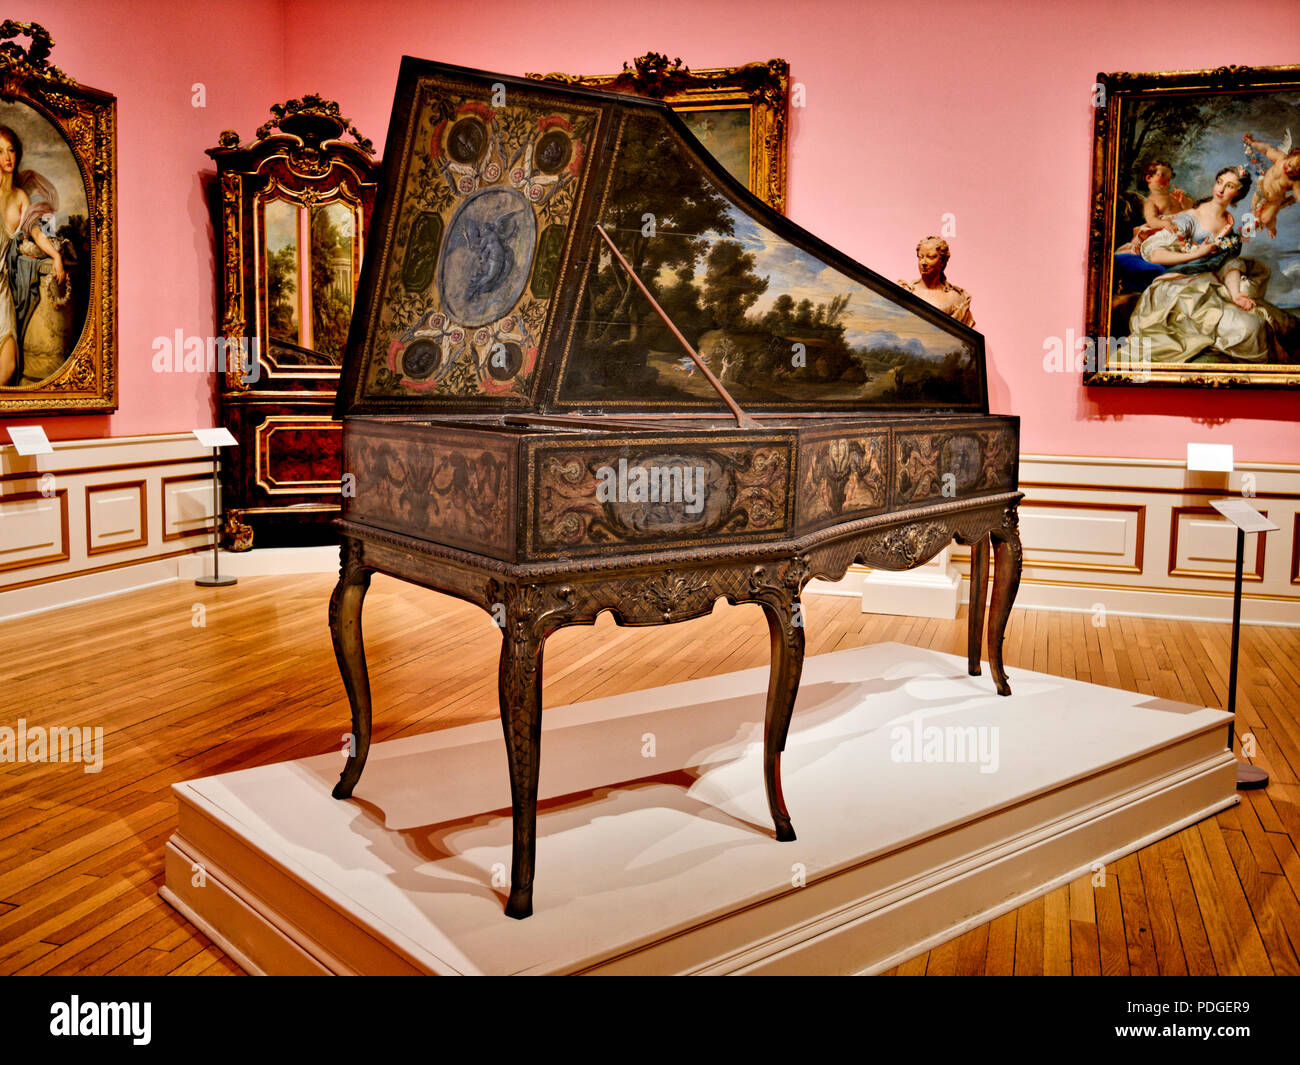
1247	519
215	438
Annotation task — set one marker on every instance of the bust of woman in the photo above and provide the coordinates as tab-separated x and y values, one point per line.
933	286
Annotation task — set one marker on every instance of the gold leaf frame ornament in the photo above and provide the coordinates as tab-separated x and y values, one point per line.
1193	120
763	89
86	120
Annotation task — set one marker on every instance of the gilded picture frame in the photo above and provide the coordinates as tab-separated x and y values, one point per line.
738	113
1170	302
58	183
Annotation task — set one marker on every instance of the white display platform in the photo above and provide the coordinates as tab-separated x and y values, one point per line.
678	871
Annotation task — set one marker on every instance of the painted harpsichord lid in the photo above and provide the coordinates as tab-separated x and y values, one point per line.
487	288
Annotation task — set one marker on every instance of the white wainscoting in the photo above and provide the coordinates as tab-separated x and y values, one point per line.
1130	536
97	517
1138	536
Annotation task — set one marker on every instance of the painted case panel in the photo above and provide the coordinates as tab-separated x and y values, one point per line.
657	492
936	464
842	475
451	486
844	472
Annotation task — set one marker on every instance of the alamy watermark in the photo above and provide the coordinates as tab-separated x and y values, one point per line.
652	484
181	354
54	744
1085	354
78	1018
949	744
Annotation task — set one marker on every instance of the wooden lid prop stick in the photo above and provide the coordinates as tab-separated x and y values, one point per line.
743	420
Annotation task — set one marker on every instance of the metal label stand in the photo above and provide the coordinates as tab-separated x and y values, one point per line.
1247	519
216	439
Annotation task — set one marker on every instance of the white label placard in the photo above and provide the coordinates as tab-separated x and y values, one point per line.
30	440
218	437
1242	515
1215	458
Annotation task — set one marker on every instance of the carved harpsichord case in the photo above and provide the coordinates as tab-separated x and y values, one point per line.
589	371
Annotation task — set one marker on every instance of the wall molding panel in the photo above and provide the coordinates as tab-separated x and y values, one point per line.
33	529
1132	536
117	516
95	517
1138	536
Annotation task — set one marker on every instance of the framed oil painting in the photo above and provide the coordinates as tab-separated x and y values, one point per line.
737	113
1194	242
58	282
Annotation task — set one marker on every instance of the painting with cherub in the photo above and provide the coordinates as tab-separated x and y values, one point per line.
1194	260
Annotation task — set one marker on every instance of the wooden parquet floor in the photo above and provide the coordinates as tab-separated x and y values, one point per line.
187	682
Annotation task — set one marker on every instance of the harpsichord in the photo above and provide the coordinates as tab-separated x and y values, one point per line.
589	371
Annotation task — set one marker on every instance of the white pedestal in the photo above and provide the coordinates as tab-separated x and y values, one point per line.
676	870
929	591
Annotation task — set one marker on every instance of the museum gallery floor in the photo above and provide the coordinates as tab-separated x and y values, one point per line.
80	865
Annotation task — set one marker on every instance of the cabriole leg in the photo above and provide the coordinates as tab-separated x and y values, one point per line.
979	587
345	630
785	624
520	694
1007	561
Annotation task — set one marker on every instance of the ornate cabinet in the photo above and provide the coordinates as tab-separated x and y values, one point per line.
293	208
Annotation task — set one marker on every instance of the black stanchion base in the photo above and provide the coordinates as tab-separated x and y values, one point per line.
215	582
1250	777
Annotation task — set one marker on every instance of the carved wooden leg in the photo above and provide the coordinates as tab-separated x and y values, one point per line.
520	694
1007	560
345	629
785	624
979	587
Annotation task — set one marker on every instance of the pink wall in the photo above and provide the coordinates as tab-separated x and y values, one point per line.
981	109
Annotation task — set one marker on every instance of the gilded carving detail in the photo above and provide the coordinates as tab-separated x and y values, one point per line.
666	593
528	612
232	323
235	535
911	545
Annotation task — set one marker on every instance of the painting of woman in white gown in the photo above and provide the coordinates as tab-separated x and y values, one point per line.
1208	303
44	247
1194	268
